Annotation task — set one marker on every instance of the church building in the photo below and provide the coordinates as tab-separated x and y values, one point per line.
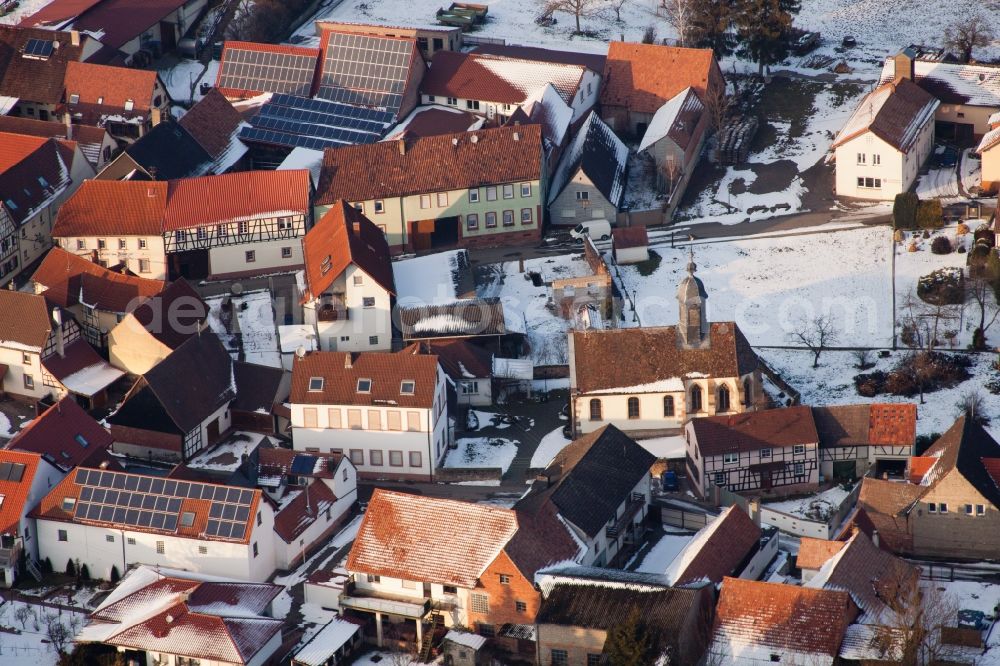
649	382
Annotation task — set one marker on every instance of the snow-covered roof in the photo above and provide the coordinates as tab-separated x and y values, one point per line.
304	158
989	140
92	379
602	156
326	642
673	119
547	107
473	641
513	368
952	83
894	112
293	336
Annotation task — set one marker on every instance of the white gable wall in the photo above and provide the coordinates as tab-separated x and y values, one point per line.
896	170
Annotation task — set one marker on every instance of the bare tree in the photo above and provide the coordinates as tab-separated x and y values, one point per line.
910	629
617	5
578	8
816	334
923	324
671	171
967	34
678	15
862	358
60	630
972	405
919	367
22	614
718	105
979	291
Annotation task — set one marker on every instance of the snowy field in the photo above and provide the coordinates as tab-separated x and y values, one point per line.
31	645
255	316
187	75
430	279
482	452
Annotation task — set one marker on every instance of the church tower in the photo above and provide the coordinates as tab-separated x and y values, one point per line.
693	320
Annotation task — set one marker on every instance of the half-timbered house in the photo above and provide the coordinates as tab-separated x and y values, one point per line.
227	226
769	452
855	438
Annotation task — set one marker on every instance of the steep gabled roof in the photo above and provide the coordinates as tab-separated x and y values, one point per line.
120	21
70	279
591	477
459	359
90	138
717	549
749	431
257	386
600	154
247	69
429	539
33	172
965	447
617	359
166	152
341	372
34	79
24	320
431	164
344	236
303	510
643	77
64	434
212	122
814	553
17	473
894	112
676	119
951	82
784	618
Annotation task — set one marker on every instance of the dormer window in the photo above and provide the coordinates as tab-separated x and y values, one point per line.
406	387
69	503
325	267
74	99
129	105
43	182
187	519
82	441
315	383
364	386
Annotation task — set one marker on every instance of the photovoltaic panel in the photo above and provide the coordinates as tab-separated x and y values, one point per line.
366	70
265	71
40	48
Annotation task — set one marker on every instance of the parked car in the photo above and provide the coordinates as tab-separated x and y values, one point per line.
596	229
669	481
849	42
945	157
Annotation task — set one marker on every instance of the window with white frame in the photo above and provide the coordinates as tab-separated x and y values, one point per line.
799	449
731	458
379	206
861	158
474	195
800	469
525	189
870	183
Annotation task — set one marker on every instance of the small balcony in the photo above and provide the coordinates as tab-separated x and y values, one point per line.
332	308
377	602
635	504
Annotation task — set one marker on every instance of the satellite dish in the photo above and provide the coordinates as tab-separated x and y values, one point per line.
236	288
300	351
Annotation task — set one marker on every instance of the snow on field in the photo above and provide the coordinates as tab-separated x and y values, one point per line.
255	322
769	285
482	452
814	507
832	384
731	201
938	183
546	330
186	74
658	559
551	444
488	419
31	646
24	9
430	279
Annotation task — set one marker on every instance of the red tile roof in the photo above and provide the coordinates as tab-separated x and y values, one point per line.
14	491
211	122
920	465
813	553
643	77
626	237
35	181
342	237
16	147
121	21
784	618
54	435
341	371
893	423
497	78
429	539
303	511
749	431
70	279
431	164
113	85
32	79
76	356
24	319
894	112
460	359
719	549
137	208
57	12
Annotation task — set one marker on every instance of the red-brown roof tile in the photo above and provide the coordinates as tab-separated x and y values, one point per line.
749	431
431	164
24	319
211	122
112	85
15	489
303	511
429	539
344	236
126	208
643	77
16	147
64	434
342	370
70	279
31	79
626	237
813	553
719	548
497	78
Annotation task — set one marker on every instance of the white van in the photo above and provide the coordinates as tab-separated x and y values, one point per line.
596	229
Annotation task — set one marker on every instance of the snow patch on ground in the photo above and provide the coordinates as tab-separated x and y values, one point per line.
482	452
938	184
255	322
5	429
551	444
814	507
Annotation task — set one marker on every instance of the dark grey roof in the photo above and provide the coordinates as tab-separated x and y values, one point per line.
257	386
600	154
168	152
592	476
466	317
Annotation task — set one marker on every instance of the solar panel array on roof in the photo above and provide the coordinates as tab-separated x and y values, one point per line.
288	120
366	70
303	464
149	502
263	71
38	48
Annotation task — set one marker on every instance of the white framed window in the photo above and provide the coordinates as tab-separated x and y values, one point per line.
980	509
407	386
452	101
508	191
416	459
491	220
368	301
442	199
942	507
474	195
525	189
861	158
144	265
491	193
142	243
315	383
364	385
799	449
508	218
765	453
472	221
582	195
122	244
800	469
720	478
285	223
870	183
931	507
731	458
526	217
425	201
379	206
81	244
373	339
102	244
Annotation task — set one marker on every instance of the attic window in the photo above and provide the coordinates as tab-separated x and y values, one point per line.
68	503
129	105
10	204
74	99
406	387
43	182
364	386
315	383
187	519
325	267
82	441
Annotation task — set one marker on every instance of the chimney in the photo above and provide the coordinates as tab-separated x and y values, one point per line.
875	538
60	342
474	138
517	136
104	464
348	361
68	123
154	115
401	144
74	37
902	66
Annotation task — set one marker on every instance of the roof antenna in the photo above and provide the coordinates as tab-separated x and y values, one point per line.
691	267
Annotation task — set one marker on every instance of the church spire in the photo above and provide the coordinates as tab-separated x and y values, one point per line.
691	300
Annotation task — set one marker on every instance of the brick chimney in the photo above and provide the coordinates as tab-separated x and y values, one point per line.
74	37
903	65
401	144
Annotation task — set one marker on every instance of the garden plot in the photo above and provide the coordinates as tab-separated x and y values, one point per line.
482	452
832	383
254	321
815	507
769	285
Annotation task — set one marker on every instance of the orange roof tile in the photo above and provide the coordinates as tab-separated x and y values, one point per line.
813	553
110	87
919	466
14	488
126	207
70	279
16	147
341	371
429	539
643	77
893	423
